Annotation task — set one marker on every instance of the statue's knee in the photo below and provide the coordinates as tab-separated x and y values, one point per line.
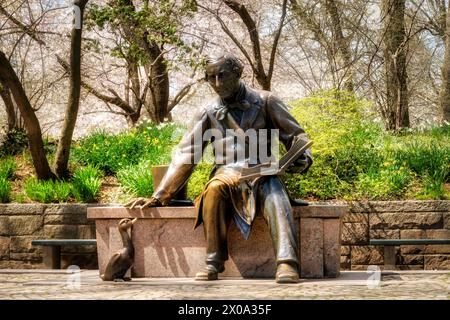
216	186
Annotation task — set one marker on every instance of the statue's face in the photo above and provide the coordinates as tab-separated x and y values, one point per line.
222	78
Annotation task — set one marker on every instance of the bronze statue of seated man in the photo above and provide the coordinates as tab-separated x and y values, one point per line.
238	110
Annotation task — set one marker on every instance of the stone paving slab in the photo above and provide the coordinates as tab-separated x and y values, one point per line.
59	284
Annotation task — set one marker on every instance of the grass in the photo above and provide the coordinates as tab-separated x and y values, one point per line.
137	180
86	183
355	159
5	190
7	171
111	153
48	191
7	168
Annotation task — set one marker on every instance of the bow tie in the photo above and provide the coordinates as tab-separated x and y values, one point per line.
242	105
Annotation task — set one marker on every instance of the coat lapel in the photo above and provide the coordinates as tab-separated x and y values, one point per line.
249	116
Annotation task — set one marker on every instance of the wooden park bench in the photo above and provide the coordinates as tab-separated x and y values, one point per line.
52	249
389	247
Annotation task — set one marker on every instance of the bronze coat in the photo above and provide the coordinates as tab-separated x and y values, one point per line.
262	110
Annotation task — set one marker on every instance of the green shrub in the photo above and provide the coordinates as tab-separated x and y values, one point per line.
432	189
426	159
358	152
107	152
14	142
320	182
388	183
198	179
347	143
86	183
137	179
7	168
426	154
110	153
330	116
354	158
5	190
50	145
47	191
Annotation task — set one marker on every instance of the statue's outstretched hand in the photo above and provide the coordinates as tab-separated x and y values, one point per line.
143	203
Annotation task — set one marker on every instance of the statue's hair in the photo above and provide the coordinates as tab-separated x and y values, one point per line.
234	62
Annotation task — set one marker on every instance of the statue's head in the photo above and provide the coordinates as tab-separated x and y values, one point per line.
223	74
126	223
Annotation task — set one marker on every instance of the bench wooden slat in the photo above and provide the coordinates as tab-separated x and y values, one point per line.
389	247
64	242
399	242
52	249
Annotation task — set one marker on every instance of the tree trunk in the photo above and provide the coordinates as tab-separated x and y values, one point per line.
65	140
445	87
160	89
396	115
135	88
340	44
158	98
5	93
8	78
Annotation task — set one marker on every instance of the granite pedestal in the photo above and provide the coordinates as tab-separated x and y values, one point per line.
166	245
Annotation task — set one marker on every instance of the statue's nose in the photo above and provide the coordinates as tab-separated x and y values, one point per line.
217	81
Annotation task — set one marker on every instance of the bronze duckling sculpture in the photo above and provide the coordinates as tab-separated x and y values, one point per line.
122	260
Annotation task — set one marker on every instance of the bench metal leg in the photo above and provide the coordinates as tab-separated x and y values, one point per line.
52	257
389	257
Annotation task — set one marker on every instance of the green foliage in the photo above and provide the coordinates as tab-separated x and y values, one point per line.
7	168
19	198
354	159
345	144
158	22
388	183
14	142
50	145
198	179
5	190
86	183
329	116
137	179
47	191
429	160
320	182
111	153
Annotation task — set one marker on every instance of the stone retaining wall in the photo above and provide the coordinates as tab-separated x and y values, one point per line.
21	223
396	220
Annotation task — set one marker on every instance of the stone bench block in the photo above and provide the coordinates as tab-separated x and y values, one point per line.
166	245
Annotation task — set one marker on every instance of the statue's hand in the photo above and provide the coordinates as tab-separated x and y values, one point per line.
143	203
301	165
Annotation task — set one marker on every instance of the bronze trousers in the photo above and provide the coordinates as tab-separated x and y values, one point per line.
272	201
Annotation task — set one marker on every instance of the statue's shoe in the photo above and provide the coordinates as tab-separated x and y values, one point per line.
209	273
287	273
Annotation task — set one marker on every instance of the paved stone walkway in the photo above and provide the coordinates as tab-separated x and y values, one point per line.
59	284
